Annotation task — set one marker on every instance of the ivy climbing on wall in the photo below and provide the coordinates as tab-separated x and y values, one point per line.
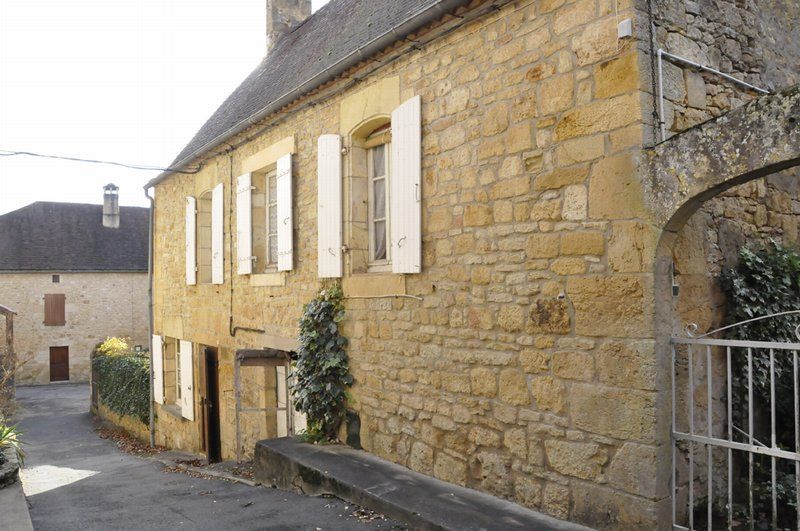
321	368
123	379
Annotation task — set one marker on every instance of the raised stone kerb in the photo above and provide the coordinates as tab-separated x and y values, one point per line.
758	139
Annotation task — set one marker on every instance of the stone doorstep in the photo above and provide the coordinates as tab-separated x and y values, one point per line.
217	470
420	501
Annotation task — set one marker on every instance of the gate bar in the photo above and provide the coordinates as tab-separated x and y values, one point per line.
772	433
750	431
691	432
730	439
709	415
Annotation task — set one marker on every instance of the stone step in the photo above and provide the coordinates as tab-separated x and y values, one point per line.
399	493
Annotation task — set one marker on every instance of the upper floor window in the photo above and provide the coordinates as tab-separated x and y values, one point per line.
55	309
378	203
204	238
264	218
369	195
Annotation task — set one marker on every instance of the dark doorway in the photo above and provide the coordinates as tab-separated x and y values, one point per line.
59	364
211	405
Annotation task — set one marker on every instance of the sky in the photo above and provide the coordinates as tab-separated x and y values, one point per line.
125	80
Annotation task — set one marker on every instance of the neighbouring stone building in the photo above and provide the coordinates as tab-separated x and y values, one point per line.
484	181
75	274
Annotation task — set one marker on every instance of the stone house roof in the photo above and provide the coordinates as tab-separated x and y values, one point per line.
340	30
46	236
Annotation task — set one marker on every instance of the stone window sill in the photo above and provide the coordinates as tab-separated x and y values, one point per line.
172	409
374	285
268	279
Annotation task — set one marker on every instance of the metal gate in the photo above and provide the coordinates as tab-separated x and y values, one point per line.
735	432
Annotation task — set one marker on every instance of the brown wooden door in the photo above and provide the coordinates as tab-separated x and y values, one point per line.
59	364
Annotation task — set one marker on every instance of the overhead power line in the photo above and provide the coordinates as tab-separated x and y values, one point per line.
11	153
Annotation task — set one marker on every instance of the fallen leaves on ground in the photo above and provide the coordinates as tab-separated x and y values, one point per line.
126	443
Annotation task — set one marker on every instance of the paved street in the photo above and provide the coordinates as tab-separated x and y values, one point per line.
75	480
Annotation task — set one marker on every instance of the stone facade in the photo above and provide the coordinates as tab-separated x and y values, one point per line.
523	359
98	305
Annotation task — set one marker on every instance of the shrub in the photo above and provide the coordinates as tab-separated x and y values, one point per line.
123	381
10	439
114	346
321	370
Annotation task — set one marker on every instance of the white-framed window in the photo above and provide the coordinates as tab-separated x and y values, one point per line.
264	220
264	225
378	172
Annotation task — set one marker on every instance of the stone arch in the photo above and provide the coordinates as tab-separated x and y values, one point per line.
755	141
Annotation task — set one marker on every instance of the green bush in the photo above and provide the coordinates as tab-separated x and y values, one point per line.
10	439
123	381
766	281
321	370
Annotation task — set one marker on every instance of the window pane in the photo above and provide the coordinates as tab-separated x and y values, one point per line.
378	160
379	192
273	188
380	240
273	219
273	249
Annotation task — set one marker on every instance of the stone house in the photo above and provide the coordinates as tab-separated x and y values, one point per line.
75	274
490	184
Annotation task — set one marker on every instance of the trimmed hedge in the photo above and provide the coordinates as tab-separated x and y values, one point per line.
124	384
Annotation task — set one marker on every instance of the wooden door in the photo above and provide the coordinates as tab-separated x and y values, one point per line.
59	364
211	406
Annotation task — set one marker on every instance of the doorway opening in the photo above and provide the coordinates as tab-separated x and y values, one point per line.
211	405
59	364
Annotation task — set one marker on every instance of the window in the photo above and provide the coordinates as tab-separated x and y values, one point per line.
204	238
378	204
54	309
172	374
264	205
56	279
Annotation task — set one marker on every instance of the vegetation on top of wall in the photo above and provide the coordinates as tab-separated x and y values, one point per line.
321	369
766	281
123	379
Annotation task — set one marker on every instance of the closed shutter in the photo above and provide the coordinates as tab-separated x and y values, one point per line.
187	374
329	206
217	235
285	226
405	184
55	309
191	235
244	224
158	369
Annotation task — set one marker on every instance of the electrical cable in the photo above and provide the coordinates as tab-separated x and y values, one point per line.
12	153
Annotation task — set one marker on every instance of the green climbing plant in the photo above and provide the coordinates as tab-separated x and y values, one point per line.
766	281
321	369
123	379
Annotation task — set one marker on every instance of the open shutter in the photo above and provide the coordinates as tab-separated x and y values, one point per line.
285	227
217	234
191	235
405	185
158	369
187	374
244	224
329	206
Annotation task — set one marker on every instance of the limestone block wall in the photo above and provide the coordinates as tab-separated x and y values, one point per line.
527	370
98	305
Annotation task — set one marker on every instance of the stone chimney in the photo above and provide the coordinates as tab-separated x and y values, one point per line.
111	206
283	16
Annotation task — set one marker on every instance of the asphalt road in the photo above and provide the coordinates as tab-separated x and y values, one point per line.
75	480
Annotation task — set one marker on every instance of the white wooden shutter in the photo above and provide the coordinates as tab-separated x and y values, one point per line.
187	381
157	351
329	206
217	235
285	227
191	235
405	188
244	224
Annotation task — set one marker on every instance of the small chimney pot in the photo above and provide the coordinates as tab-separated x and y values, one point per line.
111	206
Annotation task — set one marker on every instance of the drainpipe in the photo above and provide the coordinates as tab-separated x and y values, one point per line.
152	424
